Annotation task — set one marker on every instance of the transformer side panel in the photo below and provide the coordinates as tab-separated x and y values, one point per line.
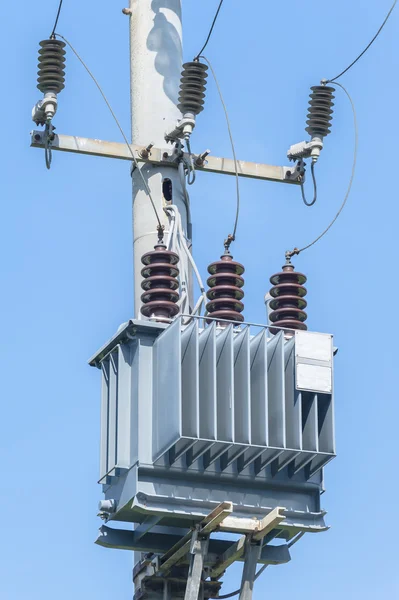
167	395
242	387
124	433
276	391
259	399
293	408
113	410
225	385
207	383
104	418
190	381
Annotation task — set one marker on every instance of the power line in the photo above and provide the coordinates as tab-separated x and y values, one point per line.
367	47
296	251
210	31
147	189
56	19
231	237
305	201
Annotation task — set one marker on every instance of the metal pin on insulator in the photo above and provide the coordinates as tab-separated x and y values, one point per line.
192	88
288	300
160	283
320	111
51	74
225	293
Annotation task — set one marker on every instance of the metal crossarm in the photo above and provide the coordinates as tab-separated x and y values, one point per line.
166	157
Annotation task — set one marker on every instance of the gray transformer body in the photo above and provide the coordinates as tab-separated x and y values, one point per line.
193	417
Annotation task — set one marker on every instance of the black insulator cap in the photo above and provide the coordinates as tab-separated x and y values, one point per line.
320	111
51	74
192	87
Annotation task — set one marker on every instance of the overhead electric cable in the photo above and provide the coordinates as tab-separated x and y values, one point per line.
296	251
367	47
210	31
56	19
147	189
231	237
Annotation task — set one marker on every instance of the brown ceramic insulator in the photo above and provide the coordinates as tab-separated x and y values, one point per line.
160	284
225	293
288	300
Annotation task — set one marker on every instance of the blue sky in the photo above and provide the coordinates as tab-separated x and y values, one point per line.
67	276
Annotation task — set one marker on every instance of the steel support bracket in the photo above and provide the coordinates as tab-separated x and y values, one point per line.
198	551
252	554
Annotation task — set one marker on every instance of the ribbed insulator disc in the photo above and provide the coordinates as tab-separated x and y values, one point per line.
51	74
162	268
192	87
162	281
288	300
320	111
160	284
225	293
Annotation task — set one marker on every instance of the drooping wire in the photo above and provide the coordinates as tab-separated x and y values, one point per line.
56	19
177	243
147	189
48	138
191	175
210	31
314	188
231	237
348	191
368	45
262	569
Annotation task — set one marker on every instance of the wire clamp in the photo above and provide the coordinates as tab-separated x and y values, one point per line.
183	127
160	231
305	150
289	254
227	243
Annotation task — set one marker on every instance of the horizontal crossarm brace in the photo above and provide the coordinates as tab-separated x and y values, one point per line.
258	527
123	539
165	156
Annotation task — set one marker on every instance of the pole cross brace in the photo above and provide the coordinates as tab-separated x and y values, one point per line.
167	157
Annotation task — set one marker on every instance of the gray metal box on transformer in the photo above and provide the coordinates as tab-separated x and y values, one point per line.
194	417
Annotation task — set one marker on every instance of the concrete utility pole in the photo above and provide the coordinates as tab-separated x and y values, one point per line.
156	61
